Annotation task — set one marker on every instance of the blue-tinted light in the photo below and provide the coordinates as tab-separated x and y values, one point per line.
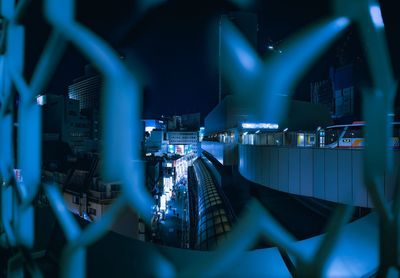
246	59
260	125
149	128
342	22
41	100
376	16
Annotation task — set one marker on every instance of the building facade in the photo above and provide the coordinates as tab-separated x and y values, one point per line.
184	142
86	89
64	122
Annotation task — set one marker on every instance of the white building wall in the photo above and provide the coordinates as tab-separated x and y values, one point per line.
74	208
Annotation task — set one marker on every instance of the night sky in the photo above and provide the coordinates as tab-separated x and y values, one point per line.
172	48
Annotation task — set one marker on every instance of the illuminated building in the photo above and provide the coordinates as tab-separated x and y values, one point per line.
183	142
154	137
233	122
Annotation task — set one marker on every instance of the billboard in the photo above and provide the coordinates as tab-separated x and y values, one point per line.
180	149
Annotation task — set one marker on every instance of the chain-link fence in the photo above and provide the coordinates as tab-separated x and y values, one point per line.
261	81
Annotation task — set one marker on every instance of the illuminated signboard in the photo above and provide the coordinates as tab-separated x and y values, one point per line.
149	128
180	149
163	202
41	100
260	126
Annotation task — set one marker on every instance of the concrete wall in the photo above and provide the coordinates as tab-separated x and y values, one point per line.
330	174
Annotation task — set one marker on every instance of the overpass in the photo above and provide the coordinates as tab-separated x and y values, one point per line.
329	174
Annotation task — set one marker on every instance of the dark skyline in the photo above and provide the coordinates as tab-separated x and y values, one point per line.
172	48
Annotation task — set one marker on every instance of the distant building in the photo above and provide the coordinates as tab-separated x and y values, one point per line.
322	93
190	122
154	142
346	93
175	134
151	124
86	194
340	93
78	128
234	122
62	121
341	89
86	89
173	123
154	135
94	117
186	122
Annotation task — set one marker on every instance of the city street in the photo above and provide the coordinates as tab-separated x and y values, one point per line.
173	229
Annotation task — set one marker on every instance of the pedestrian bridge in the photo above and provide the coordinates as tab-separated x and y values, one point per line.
329	174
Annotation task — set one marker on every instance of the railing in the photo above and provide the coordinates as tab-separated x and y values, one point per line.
225	153
334	175
261	83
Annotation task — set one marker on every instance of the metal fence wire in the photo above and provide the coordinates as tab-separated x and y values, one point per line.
262	81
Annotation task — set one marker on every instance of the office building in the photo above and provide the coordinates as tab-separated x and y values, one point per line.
63	122
321	92
87	89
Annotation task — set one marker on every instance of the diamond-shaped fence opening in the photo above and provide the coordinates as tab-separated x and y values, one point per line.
267	79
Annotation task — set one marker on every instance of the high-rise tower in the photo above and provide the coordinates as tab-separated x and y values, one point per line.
86	89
